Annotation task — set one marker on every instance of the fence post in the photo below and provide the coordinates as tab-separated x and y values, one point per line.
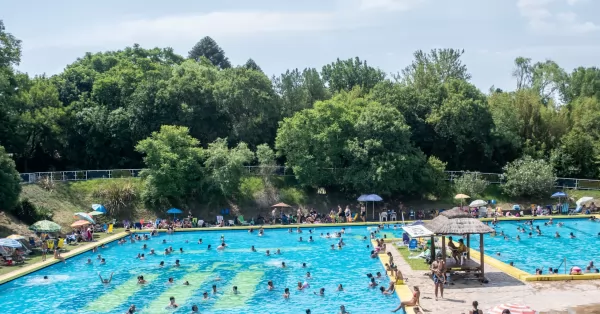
576	184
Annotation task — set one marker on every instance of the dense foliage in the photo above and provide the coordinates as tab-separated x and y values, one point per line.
529	177
347	125
471	184
10	182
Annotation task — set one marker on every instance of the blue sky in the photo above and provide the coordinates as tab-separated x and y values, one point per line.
283	34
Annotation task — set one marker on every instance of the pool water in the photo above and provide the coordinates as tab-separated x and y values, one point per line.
74	287
546	250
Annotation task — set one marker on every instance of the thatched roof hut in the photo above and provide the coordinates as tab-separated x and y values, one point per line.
456	221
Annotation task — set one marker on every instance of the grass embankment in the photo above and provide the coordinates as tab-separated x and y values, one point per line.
36	256
414	263
64	199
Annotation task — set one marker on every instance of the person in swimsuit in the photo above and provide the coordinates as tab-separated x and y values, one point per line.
172	303
105	281
44	250
412	302
438	269
475	310
131	309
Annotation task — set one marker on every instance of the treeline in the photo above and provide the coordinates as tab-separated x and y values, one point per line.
347	125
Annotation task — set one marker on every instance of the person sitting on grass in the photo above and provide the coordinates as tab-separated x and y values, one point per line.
412	302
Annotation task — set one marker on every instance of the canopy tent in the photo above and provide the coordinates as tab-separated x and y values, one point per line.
584	200
457	222
45	226
370	198
417	231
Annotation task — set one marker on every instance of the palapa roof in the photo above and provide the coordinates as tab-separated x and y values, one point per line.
456	221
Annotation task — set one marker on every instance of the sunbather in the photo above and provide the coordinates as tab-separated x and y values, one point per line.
412	302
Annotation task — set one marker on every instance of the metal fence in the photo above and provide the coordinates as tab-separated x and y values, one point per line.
82	175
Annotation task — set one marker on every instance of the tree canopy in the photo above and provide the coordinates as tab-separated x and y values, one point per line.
345	125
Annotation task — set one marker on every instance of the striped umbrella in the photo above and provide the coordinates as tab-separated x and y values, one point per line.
513	308
10	243
45	226
80	223
84	216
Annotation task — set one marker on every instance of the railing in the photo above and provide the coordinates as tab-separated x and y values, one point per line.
82	175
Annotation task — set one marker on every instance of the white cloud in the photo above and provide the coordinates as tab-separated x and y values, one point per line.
542	17
389	5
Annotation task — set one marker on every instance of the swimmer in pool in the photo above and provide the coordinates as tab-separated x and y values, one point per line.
300	240
235	290
253	249
333	247
141	280
89	261
180	250
268	253
144	247
104	246
142	257
167	252
221	247
105	281
99	257
186	283
308	275
152	252
270	285
282	264
170	281
195	308
162	264
205	295
172	303
177	263
518	238
278	252
208	248
340	287
286	293
557	235
303	265
102	262
214	289
321	292
572	235
199	241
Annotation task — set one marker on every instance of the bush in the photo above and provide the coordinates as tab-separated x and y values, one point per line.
292	196
528	177
249	186
29	214
118	197
10	182
471	183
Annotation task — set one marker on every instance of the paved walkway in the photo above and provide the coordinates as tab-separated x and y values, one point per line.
502	288
21	271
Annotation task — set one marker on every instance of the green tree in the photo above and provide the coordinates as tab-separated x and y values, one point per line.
208	48
582	82
10	48
174	170
435	67
528	177
226	166
10	182
251	65
471	183
266	160
299	90
346	74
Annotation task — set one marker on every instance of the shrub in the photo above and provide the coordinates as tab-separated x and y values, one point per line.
292	196
529	177
10	182
118	197
29	214
471	183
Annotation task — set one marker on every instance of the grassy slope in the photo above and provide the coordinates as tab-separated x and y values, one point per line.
68	198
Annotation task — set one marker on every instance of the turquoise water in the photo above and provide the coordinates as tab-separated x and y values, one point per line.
546	251
74	287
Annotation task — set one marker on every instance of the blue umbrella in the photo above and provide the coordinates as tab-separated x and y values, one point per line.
99	208
10	243
559	195
370	198
174	211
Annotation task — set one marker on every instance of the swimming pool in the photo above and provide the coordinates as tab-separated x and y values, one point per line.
546	250
75	286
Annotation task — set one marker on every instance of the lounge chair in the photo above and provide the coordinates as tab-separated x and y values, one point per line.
194	222
412	245
219	220
393	216
243	221
575	211
231	222
50	244
110	229
104	227
382	216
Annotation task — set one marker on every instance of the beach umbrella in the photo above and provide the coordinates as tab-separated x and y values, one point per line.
370	198
478	203
513	308
45	226
461	197
174	211
583	200
559	195
10	243
80	223
95	213
15	237
84	216
99	208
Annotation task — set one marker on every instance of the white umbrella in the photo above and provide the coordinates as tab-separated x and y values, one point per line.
584	199
10	243
478	203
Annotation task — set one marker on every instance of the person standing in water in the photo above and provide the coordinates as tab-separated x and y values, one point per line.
105	281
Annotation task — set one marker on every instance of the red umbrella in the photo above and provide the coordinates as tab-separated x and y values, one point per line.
513	308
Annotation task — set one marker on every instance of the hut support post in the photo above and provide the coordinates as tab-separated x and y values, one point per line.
468	246
444	248
432	248
481	253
